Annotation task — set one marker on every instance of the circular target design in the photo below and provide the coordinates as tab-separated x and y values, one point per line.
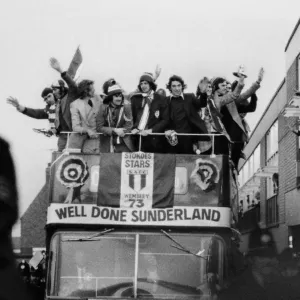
72	172
206	174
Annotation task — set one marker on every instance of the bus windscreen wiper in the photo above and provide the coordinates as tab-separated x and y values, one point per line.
89	238
181	247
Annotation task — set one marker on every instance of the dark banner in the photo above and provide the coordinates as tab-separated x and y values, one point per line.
136	180
143	180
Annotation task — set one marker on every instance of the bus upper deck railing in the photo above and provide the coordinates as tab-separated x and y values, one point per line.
155	134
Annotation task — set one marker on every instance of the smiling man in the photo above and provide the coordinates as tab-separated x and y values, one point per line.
150	114
184	117
115	120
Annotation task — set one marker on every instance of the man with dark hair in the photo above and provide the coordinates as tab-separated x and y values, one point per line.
47	113
57	111
184	117
65	97
59	89
232	120
84	111
150	114
115	120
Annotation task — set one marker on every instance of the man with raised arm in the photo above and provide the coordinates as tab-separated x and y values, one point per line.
230	107
184	117
57	110
65	98
41	113
213	118
150	114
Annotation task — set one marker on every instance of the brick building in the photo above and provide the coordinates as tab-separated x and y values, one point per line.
33	221
269	178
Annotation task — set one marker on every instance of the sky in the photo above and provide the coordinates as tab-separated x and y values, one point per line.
123	39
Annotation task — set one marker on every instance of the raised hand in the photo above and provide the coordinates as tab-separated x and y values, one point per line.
15	102
157	72
260	75
54	63
203	85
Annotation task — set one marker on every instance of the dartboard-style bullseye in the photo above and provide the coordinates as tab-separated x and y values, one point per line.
72	172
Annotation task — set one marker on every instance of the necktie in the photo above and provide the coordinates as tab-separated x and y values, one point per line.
145	115
90	103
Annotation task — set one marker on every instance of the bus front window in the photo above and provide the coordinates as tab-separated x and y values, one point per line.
134	265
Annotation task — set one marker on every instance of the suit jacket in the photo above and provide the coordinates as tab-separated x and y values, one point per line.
250	106
158	115
63	104
248	93
66	101
84	116
192	105
231	118
102	126
36	113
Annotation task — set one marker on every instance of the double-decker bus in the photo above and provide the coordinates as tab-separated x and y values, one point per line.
139	225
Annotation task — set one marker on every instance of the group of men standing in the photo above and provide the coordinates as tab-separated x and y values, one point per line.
209	122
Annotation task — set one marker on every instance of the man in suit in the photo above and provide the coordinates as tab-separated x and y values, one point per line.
65	98
58	99
184	117
83	112
230	114
45	113
150	114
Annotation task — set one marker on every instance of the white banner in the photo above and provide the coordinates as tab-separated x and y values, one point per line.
175	216
137	180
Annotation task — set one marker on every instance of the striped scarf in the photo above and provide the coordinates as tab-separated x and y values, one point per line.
51	111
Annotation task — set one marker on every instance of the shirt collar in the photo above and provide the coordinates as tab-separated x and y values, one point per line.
181	95
150	95
115	106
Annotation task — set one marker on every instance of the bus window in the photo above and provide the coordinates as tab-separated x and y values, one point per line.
126	265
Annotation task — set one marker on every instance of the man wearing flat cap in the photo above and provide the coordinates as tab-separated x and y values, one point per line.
114	120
